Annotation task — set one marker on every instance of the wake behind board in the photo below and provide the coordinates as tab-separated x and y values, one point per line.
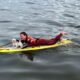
64	42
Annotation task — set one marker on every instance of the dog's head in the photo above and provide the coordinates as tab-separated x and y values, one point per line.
13	40
17	43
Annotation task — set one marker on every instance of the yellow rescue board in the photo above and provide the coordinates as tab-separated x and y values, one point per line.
64	42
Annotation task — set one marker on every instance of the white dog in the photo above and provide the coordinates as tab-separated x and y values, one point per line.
16	43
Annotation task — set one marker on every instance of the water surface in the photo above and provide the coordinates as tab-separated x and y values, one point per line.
40	18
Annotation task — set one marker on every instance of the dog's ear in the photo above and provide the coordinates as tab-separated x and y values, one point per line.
13	40
17	40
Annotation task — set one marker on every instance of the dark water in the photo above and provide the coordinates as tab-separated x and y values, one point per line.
40	18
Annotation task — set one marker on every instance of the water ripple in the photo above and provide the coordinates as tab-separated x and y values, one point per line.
30	3
50	22
5	21
69	15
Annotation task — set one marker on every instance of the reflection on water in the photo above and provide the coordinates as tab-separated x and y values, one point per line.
29	55
40	18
